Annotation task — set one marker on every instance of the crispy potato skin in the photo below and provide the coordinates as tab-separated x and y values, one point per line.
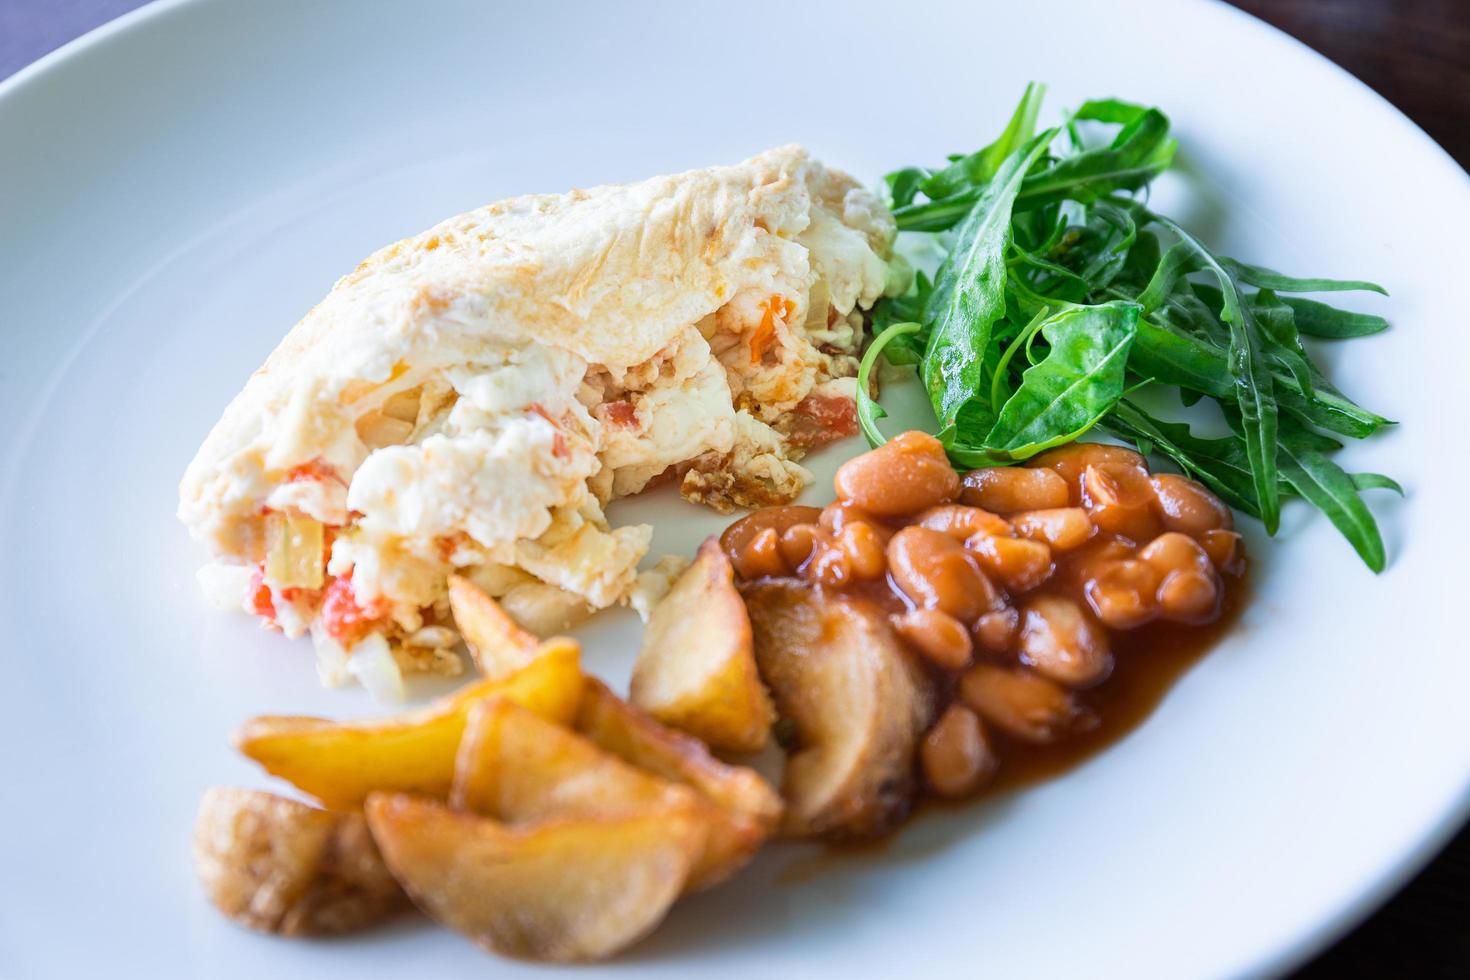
858	703
497	643
279	866
537	813
696	669
561	890
749	808
515	766
340	763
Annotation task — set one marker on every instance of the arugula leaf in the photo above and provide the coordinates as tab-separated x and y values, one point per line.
1254	390
1264	278
1079	380
1376	481
1220	464
979	167
1178	262
908	347
940	215
969	294
1138	267
1052	278
1305	392
1139	153
1110	235
904	184
1335	493
1316	319
1283	344
1054	255
1328	410
868	410
1110	111
1161	355
999	378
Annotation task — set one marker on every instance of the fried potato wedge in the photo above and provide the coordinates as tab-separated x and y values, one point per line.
515	766
696	671
559	890
545	610
497	643
750	809
340	763
858	704
277	865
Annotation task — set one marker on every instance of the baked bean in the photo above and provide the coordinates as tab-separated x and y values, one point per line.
1007	489
1070	461
1123	592
739	535
800	544
1085	561
955	755
761	557
1188	506
1189	596
839	514
961	522
1061	641
906	474
1063	528
1224	550
1019	564
1120	500
1173	551
1189	588
1019	702
1006	585
830	567
996	630
937	635
935	572
812	552
864	549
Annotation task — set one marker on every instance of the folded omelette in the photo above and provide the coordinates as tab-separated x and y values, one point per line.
469	400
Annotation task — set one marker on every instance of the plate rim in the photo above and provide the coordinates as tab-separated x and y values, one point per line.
1333	924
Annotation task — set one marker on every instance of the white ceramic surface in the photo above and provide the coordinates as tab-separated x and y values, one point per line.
177	188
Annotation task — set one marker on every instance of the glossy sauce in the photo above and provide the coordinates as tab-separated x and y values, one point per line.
1148	666
1112	618
1149	661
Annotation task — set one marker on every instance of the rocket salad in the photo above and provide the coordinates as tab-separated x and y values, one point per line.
1063	297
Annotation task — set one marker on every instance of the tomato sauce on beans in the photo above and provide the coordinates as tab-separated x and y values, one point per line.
1053	603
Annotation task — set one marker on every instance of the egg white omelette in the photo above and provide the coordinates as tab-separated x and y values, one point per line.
469	399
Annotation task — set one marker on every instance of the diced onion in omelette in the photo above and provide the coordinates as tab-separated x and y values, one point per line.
470	399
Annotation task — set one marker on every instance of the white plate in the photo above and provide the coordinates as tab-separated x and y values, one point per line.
177	188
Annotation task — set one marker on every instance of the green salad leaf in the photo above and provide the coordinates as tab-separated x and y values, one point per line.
1079	380
1062	292
969	296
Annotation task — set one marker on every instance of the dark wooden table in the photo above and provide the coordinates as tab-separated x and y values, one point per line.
1414	52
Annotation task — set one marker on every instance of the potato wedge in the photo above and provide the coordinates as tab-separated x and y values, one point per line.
277	865
750	808
340	763
515	766
559	890
497	643
696	671
545	610
857	701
